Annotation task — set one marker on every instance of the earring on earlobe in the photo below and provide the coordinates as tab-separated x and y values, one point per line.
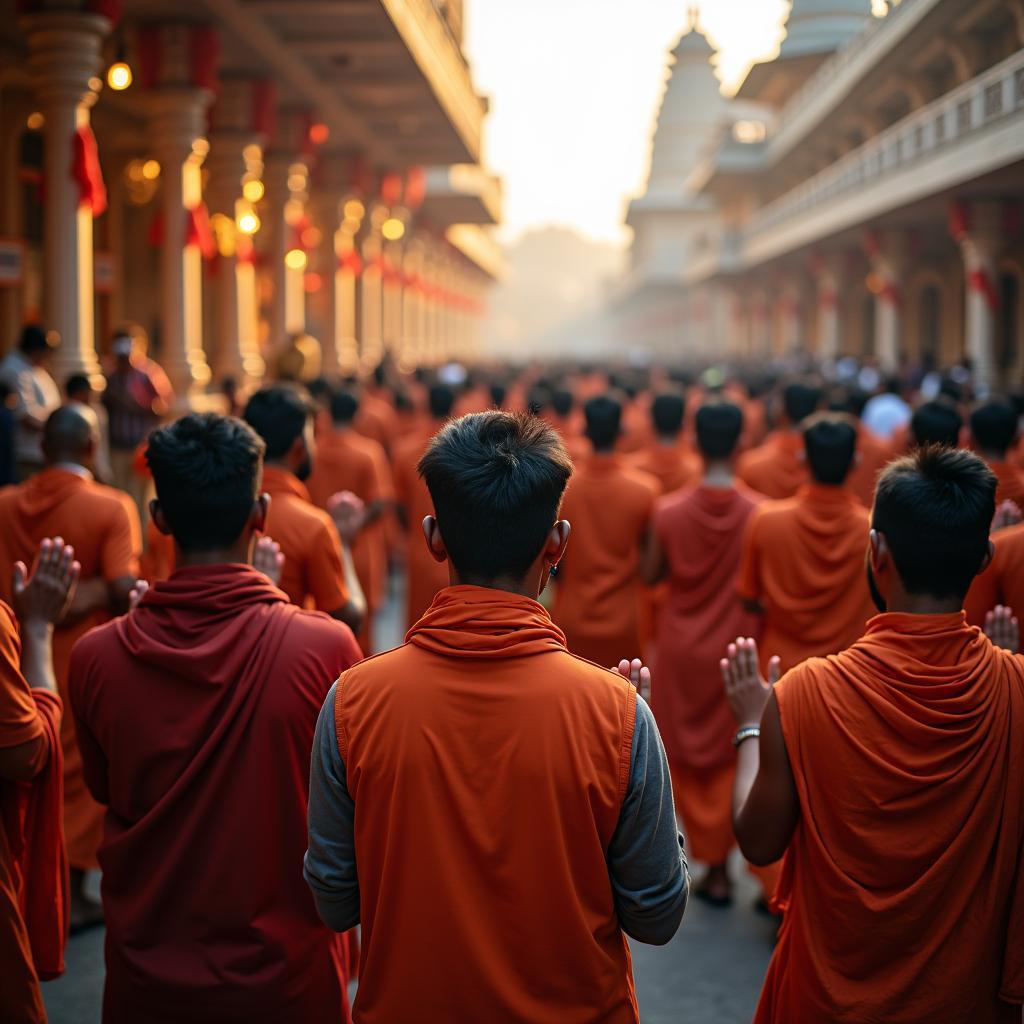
553	571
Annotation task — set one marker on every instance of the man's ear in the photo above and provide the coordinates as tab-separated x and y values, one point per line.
260	508
157	515
435	542
878	551
557	540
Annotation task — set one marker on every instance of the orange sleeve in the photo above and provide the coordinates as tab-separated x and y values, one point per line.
122	543
325	574
748	580
19	719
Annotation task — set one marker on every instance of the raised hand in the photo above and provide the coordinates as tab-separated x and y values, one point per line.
349	515
1007	514
747	691
1003	629
638	674
138	592
268	559
44	598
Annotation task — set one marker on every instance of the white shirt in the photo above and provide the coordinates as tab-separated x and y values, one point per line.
885	414
36	395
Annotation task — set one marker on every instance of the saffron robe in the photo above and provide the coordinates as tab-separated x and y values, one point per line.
803	560
609	506
196	715
776	468
1003	581
313	575
102	524
34	893
903	885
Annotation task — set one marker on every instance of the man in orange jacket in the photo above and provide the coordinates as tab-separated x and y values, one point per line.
534	784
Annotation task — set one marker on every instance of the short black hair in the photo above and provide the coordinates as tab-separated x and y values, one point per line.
319	388
603	414
562	401
936	423
440	401
496	480
76	384
667	412
279	414
994	425
207	470
935	508
344	405
800	399
830	440
499	392
34	339
719	426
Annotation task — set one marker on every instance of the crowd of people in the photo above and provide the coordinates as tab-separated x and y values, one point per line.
772	610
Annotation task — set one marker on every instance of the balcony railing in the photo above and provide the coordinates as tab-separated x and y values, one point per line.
976	106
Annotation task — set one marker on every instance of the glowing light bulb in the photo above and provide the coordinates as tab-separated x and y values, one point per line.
35	121
392	229
119	76
151	170
295	259
253	190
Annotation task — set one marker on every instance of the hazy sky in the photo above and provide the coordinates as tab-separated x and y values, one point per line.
574	86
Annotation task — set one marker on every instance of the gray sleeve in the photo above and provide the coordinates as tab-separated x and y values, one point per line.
330	863
646	857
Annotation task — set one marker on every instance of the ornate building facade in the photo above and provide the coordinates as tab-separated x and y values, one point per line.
231	173
861	195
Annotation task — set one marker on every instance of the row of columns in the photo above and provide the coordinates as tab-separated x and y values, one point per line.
372	296
978	230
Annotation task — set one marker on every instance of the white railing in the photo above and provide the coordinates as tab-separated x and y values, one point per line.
979	104
832	81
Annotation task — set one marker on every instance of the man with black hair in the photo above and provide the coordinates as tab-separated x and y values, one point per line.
887	412
348	461
36	395
424	576
568	421
802	562
610	505
196	715
79	390
695	548
666	458
534	782
993	434
936	422
777	468
872	453
100	522
892	778
318	570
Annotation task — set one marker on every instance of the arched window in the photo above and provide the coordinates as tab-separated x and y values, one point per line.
929	322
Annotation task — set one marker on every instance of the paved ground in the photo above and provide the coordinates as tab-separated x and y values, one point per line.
710	973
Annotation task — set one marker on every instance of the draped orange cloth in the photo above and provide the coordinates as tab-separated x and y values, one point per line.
348	461
1003	581
776	468
102	525
508	758
903	884
803	560
1011	483
33	864
673	466
873	454
425	576
376	419
313	575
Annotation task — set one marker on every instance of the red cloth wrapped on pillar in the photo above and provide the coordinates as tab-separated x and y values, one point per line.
85	169
198	231
352	262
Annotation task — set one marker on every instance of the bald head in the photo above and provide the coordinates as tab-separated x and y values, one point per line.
70	435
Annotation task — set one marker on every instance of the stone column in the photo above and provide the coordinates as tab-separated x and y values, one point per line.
760	325
64	54
977	228
410	353
391	314
236	345
826	281
16	106
276	228
886	252
330	298
177	123
371	303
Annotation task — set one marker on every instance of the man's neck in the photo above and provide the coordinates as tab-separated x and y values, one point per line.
991	456
239	553
278	465
668	440
521	588
718	474
72	466
922	604
602	451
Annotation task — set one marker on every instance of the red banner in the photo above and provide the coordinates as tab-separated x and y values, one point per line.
85	169
198	231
